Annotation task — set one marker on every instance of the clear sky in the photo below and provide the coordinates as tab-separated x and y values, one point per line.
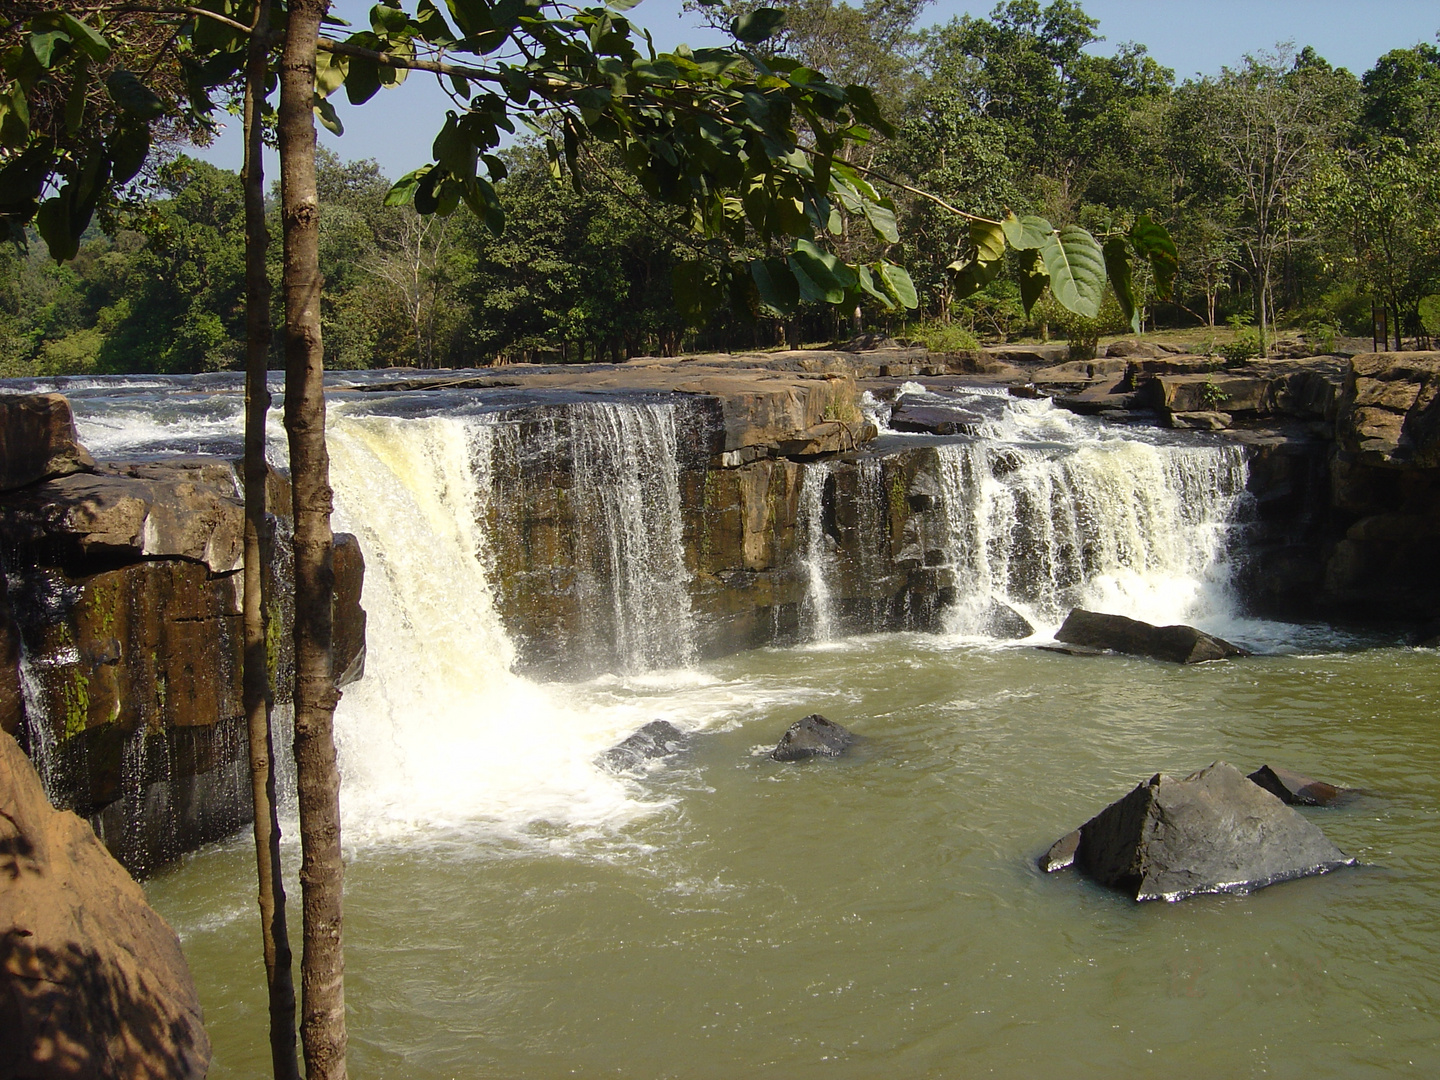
396	127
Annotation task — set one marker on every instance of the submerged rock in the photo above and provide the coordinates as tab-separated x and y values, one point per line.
1297	790
812	736
1213	831
657	739
92	980
1179	644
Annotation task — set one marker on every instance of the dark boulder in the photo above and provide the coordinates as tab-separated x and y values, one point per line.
1180	644
1296	790
813	736
934	418
657	739
1213	831
1061	853
1002	621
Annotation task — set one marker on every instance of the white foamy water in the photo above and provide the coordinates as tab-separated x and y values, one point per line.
1048	512
440	732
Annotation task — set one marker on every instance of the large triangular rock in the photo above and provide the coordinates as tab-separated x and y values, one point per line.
1179	644
1213	831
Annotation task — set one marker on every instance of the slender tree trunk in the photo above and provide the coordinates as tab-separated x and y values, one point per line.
259	546
322	964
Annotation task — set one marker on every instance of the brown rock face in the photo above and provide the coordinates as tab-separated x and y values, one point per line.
37	440
92	981
1390	414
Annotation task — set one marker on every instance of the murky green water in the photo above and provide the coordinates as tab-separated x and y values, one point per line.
881	915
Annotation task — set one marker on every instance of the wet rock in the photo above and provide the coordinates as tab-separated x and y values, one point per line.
934	418
812	736
38	440
1061	853
349	616
1294	789
92	980
1213	831
657	739
1179	644
1071	650
1002	621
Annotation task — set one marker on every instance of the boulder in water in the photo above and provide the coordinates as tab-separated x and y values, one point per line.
1180	644
812	736
92	980
1213	831
1004	622
657	739
1296	790
934	418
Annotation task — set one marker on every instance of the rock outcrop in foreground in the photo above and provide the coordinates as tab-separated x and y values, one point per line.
92	981
1213	831
812	736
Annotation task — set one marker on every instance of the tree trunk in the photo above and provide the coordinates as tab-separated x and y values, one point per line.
322	964
259	547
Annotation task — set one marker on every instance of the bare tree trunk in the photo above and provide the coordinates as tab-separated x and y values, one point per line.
259	547
322	964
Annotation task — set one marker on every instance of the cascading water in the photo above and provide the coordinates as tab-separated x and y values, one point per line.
440	731
817	555
1047	511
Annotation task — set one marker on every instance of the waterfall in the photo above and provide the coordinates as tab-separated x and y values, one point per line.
440	731
817	555
1049	512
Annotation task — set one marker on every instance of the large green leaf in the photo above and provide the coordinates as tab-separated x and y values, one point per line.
403	190
1117	267
1033	278
87	40
132	95
989	241
881	216
362	80
821	276
1025	233
777	286
895	280
972	275
758	25
869	286
1152	242
325	112
1076	266
43	43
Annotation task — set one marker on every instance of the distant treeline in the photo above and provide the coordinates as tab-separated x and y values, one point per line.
1298	193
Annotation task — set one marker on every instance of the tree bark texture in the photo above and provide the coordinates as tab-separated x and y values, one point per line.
322	965
259	548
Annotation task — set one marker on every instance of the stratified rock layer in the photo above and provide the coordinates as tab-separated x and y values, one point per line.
92	980
37	440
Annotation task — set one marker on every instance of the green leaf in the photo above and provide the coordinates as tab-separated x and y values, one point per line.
697	293
989	241
127	91
758	25
777	286
330	69
621	5
896	282
1033	278
426	201
402	192
881	216
127	146
1152	242
325	110
87	40
972	275
388	21
433	27
821	276
362	80
868	286
42	45
1117	266
1077	270
52	221
867	110
1025	233
75	103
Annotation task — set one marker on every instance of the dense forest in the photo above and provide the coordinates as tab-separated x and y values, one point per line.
1299	195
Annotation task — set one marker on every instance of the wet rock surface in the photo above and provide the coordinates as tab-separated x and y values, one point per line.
1212	831
810	737
1296	789
92	980
1179	644
657	739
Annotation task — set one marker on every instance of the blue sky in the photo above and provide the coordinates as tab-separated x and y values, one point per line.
397	126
